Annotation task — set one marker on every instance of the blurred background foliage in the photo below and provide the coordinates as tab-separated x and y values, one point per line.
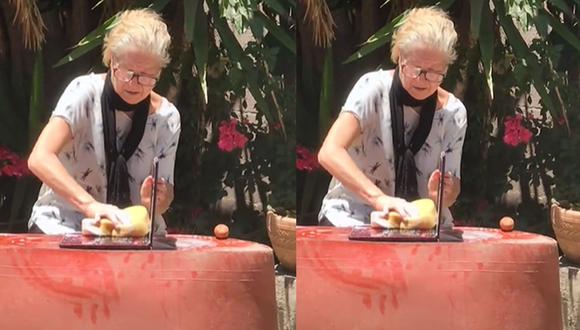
517	74
233	61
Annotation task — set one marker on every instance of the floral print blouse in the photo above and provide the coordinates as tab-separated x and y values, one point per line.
84	155
373	153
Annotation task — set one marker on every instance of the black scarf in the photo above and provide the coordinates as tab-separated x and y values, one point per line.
405	170
118	192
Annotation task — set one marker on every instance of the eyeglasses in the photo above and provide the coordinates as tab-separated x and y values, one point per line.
126	76
414	72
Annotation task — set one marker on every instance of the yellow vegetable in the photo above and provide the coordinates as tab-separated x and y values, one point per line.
134	222
138	222
426	217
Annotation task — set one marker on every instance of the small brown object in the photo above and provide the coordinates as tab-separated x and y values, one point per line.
395	219
221	231
506	224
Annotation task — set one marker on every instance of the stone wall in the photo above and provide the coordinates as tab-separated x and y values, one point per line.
286	299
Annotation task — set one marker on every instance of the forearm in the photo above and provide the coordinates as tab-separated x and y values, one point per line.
48	168
338	162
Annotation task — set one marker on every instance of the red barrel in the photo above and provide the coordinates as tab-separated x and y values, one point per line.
204	284
492	280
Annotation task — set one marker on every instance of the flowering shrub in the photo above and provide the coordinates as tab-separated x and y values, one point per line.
515	133
305	160
17	191
229	137
11	164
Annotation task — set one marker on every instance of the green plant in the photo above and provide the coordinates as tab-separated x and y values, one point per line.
509	52
567	162
230	59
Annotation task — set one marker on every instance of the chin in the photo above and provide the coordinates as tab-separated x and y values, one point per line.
133	99
420	95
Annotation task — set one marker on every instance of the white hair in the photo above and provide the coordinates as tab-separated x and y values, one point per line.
138	29
425	27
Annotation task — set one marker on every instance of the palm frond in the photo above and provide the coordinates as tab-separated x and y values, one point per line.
320	17
111	7
3	38
30	22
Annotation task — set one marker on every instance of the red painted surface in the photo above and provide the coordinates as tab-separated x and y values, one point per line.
492	280
205	284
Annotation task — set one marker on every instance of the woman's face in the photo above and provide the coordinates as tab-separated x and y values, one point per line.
134	74
422	71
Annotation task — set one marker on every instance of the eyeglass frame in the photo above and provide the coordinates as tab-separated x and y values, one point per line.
423	72
132	74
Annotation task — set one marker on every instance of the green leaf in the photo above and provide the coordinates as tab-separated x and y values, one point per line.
36	103
326	95
522	52
385	3
563	6
201	47
189	15
377	40
277	7
476	6
100	2
561	29
18	198
445	4
486	44
236	54
89	42
95	38
279	33
156	5
541	22
258	29
12	118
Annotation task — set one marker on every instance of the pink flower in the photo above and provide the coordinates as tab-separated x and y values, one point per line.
515	133
305	160
11	164
229	137
276	126
562	121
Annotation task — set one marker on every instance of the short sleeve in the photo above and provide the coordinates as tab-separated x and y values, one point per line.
364	100
75	104
167	140
455	138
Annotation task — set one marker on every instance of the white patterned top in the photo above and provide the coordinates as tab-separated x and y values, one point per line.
373	153
84	155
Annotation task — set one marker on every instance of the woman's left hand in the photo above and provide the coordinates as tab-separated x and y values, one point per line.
164	194
451	188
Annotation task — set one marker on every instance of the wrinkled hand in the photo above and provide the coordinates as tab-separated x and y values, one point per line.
164	194
451	188
98	211
386	203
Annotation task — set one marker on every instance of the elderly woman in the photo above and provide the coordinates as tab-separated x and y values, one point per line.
96	152
383	149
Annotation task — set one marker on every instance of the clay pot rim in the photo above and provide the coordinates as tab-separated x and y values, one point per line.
563	209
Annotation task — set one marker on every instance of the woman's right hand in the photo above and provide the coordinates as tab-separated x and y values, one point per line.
386	203
97	211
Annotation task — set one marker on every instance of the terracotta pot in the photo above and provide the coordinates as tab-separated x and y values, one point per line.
566	224
282	233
